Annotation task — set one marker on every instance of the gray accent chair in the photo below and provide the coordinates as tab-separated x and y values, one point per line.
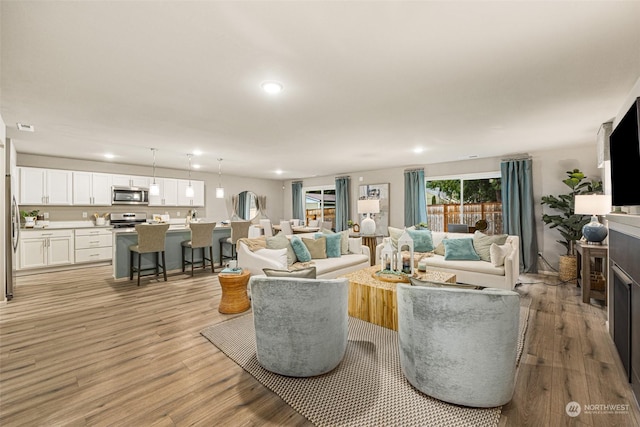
151	239
301	324
459	345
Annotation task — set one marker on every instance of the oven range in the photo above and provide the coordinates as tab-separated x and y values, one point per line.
127	220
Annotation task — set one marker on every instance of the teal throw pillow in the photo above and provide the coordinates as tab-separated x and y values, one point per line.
459	250
422	240
334	244
300	249
280	241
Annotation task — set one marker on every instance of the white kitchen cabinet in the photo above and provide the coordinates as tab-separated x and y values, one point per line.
45	248
45	186
131	181
198	193
92	188
93	245
168	193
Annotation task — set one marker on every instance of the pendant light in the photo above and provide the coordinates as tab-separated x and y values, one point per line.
219	189
189	190
154	189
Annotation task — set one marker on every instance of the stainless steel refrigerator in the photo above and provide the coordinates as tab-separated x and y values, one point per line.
12	218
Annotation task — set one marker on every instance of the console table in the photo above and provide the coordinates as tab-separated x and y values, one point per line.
588	277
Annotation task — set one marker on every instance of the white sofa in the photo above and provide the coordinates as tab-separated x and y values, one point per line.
326	268
481	273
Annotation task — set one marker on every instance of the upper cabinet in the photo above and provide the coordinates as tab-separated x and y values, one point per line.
60	187
130	181
92	188
198	193
168	193
45	186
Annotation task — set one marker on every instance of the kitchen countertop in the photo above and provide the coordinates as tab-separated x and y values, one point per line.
72	225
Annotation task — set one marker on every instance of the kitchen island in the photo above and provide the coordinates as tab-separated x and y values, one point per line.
125	237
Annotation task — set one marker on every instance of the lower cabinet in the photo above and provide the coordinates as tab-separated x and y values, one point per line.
93	245
40	248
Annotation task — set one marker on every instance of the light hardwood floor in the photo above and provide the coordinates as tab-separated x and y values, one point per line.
79	348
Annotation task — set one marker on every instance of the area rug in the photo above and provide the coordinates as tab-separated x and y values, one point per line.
366	389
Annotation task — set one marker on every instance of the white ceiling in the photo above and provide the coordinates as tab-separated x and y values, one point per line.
364	82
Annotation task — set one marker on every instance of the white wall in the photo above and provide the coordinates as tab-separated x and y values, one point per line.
215	209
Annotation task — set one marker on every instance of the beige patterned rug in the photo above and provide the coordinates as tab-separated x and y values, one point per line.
366	389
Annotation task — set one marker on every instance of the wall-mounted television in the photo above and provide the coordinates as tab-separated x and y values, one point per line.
624	152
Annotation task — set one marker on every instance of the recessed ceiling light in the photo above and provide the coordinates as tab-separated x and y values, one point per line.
109	155
418	150
25	128
196	166
197	153
279	172
272	87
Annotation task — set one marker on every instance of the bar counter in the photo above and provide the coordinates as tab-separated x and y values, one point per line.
125	237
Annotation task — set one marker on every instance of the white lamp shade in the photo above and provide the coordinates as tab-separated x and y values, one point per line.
368	206
592	204
219	193
154	189
189	191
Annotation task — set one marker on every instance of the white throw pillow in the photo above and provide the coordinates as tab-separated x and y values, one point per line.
497	253
344	242
355	245
277	255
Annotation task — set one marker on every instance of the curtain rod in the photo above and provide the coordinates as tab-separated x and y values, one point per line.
343	177
415	169
523	156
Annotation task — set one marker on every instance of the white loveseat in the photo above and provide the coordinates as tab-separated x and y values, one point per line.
481	273
326	268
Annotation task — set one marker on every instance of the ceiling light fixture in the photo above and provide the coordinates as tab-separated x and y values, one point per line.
272	87
189	190
109	156
279	172
154	189
220	189
197	152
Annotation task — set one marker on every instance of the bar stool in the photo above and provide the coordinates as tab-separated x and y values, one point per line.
201	238
151	238
239	230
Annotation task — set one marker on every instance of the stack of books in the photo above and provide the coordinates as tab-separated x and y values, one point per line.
236	270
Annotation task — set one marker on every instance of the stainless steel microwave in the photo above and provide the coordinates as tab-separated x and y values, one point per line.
129	195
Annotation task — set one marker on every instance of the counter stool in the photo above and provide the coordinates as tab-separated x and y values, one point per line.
151	238
201	238
239	230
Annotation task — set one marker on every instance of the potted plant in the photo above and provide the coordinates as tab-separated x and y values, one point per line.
29	217
568	223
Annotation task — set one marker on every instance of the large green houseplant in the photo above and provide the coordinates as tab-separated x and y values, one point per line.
568	223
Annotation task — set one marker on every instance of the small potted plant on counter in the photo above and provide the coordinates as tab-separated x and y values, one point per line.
29	217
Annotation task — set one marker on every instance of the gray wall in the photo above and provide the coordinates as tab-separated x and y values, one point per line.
215	209
549	169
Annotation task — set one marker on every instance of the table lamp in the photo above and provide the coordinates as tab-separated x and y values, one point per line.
368	206
594	205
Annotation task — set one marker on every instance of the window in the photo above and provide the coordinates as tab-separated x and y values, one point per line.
320	204
466	199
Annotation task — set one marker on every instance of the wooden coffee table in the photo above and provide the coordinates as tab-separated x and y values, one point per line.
375	301
234	292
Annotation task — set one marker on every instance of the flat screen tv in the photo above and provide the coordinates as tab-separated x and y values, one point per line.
624	152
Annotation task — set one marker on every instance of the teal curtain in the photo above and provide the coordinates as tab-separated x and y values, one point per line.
343	183
518	216
415	204
298	203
